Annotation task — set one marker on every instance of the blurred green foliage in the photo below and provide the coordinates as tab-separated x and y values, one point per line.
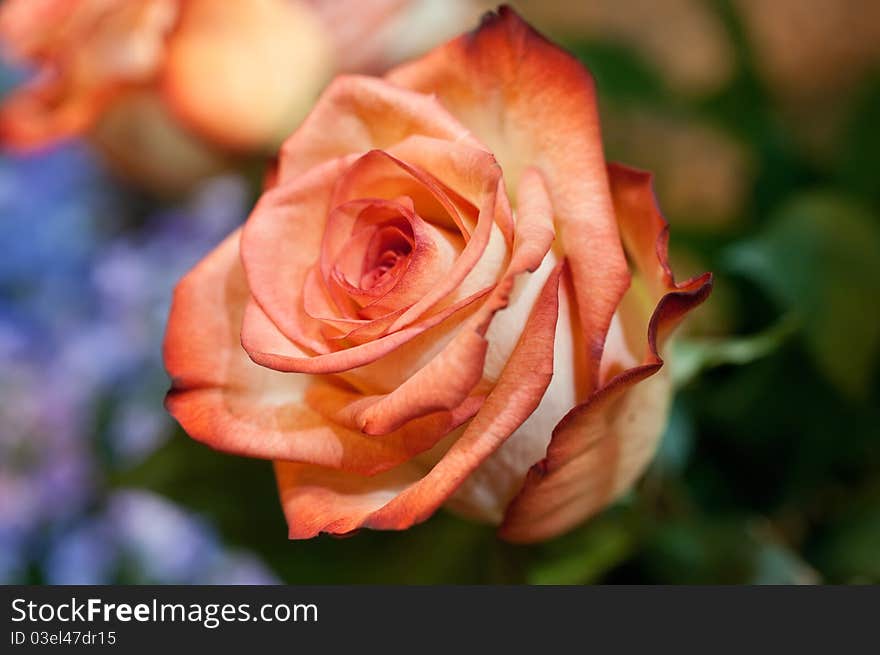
819	256
769	471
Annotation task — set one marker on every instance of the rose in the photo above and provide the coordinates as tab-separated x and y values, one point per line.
166	89
399	326
212	63
169	88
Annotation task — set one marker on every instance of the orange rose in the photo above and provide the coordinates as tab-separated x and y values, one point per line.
400	326
168	87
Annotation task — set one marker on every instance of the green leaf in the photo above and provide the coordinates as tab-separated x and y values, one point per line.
819	257
583	556
693	355
730	550
849	546
620	74
858	157
698	550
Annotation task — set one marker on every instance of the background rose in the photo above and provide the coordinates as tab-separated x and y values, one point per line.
170	89
399	326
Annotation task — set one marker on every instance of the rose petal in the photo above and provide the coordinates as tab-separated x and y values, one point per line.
645	236
280	243
467	175
356	114
643	229
600	447
481	169
595	454
223	399
319	500
460	368
276	276
268	346
345	407
534	105
486	492
515	293
461	170
517	395
316	500
432	252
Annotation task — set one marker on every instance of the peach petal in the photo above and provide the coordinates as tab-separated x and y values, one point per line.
229	403
268	346
517	395
379	174
319	500
533	104
223	399
645	236
347	242
345	407
356	114
643	229
280	243
604	448
459	366
602	445
484	167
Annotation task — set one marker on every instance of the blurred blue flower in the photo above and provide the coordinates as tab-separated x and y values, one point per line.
85	286
143	538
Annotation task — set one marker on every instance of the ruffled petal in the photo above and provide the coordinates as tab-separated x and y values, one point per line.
277	273
223	399
645	236
269	347
533	104
356	114
601	446
318	500
597	451
281	242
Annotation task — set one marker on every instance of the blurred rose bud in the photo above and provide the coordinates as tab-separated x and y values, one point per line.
170	89
447	298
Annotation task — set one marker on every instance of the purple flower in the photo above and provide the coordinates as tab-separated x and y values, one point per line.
84	292
146	539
